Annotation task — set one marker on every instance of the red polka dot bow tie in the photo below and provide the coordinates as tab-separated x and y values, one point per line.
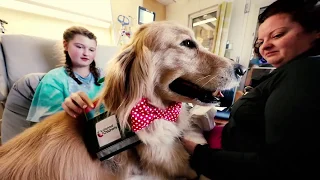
143	114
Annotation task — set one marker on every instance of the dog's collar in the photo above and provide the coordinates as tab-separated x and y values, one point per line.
144	113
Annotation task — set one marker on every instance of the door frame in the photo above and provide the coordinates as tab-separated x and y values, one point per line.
202	12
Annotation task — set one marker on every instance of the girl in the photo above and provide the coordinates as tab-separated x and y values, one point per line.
78	79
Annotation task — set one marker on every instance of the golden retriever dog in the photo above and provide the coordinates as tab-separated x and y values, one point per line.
164	64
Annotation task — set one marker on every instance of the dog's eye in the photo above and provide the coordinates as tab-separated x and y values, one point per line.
188	43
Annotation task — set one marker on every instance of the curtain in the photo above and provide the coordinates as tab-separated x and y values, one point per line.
223	23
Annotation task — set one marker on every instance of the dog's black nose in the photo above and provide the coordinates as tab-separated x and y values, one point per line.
239	69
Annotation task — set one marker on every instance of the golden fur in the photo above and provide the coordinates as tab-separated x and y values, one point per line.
54	148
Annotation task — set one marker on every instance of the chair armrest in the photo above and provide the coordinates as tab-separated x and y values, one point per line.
2	97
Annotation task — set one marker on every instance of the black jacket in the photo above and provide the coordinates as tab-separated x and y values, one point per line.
273	130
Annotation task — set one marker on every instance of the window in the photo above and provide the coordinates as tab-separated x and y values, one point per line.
204	25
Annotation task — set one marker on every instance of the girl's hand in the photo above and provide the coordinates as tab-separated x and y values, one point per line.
76	103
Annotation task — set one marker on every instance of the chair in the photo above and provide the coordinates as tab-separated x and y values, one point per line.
17	106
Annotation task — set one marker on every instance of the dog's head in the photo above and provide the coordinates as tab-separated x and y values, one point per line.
164	63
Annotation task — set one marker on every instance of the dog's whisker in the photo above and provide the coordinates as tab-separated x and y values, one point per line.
208	81
199	79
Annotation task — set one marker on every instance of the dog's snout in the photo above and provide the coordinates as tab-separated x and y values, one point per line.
239	70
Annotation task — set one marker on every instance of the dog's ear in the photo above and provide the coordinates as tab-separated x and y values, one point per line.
127	75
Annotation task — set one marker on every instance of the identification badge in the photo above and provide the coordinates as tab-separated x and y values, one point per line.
103	135
107	130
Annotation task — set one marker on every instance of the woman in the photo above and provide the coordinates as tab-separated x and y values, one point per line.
273	129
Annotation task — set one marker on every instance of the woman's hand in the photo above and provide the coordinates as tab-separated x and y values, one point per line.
188	145
75	103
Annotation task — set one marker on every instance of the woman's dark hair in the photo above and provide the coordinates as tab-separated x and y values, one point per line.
256	48
304	12
68	35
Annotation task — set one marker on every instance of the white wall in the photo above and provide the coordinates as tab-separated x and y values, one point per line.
99	9
126	8
237	29
181	10
96	13
46	27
